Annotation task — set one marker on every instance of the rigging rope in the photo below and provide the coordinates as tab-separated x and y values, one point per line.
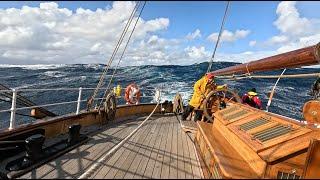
273	89
96	165
90	100
220	33
108	86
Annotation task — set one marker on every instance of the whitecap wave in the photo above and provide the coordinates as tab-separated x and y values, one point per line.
34	66
55	74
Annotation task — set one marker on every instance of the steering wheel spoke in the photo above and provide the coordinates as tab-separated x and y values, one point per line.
217	98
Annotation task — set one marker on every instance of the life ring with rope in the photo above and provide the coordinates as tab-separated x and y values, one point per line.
132	94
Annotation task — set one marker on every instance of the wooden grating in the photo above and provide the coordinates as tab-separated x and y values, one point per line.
255	123
283	175
272	132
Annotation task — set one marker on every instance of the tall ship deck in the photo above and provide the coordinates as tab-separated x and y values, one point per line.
108	140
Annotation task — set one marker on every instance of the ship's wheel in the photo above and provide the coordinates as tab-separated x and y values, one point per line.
110	106
217	100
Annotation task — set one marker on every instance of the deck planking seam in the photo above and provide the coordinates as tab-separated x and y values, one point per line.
180	155
101	148
50	166
187	163
149	151
156	173
95	153
133	150
160	149
193	157
140	151
100	173
152	159
166	157
140	165
135	163
117	167
174	154
145	159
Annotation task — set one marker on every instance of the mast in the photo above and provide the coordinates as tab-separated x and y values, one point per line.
297	58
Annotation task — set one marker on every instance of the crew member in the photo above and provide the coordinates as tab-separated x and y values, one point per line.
201	88
315	89
252	99
132	94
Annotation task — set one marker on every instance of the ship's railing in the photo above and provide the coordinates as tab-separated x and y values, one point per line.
78	102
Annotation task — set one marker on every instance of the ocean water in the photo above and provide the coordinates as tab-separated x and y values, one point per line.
289	98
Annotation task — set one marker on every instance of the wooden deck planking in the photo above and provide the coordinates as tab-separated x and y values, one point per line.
174	154
132	151
161	153
118	165
152	159
187	162
193	157
181	160
50	167
141	151
160	149
102	170
166	157
77	167
158	158
144	161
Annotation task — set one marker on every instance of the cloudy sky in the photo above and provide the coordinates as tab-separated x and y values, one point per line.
167	33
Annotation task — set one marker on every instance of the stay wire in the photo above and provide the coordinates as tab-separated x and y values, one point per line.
219	36
114	72
112	56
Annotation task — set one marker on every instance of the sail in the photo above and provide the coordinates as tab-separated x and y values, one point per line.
297	58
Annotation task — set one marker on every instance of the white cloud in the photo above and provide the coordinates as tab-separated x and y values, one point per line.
244	57
197	52
57	35
278	40
252	43
228	36
194	35
289	20
295	31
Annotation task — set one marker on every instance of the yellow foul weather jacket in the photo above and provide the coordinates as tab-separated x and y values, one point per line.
201	89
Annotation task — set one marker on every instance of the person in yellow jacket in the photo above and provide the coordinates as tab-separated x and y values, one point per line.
201	88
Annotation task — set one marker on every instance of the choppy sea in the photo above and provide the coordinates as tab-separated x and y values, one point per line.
288	100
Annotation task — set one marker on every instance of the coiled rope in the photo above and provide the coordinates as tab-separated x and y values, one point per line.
96	165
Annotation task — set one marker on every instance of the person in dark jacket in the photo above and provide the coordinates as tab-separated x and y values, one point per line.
251	98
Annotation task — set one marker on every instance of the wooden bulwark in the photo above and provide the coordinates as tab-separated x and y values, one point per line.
59	125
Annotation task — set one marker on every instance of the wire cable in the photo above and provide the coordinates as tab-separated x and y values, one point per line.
219	36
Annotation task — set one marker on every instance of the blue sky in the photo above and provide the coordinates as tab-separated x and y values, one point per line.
186	16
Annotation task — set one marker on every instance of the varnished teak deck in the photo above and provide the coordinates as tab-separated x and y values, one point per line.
160	149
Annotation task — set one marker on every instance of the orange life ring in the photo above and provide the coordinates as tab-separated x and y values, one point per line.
132	94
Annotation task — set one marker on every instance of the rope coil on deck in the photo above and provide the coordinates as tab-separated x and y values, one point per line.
96	165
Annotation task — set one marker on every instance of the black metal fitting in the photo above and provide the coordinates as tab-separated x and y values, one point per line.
34	147
74	134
